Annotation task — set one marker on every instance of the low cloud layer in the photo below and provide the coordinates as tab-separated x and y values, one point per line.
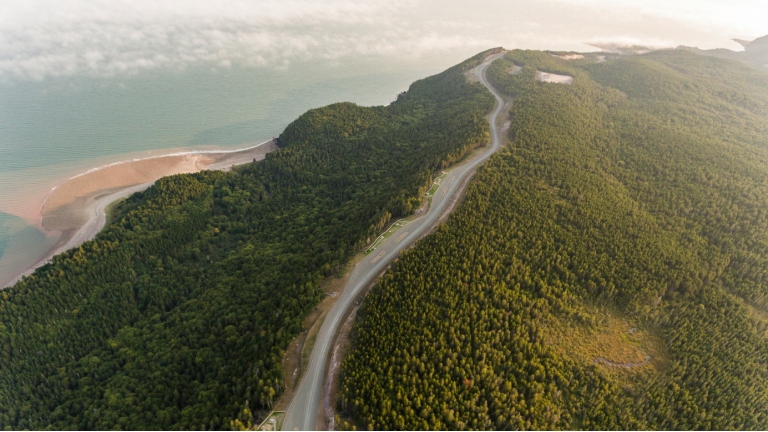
101	39
43	38
739	18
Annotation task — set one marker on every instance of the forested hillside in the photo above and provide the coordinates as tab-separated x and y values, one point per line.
177	314
608	269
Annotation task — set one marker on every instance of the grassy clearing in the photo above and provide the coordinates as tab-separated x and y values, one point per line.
616	343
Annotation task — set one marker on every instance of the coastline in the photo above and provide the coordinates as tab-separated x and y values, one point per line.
76	208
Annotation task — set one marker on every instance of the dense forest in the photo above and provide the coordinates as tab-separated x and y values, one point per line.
608	269
176	316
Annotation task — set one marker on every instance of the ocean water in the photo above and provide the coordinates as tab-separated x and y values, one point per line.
53	129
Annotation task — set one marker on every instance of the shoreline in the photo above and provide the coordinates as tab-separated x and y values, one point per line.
149	158
76	207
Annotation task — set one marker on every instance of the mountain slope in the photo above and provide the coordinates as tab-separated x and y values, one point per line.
607	270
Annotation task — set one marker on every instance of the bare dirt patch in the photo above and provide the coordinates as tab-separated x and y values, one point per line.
514	69
504	121
569	56
553	78
470	76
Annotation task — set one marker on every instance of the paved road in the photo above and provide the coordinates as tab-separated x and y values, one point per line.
303	411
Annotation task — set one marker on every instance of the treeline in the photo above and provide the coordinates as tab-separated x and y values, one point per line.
176	316
641	188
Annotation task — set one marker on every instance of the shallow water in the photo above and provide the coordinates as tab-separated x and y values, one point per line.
20	245
54	129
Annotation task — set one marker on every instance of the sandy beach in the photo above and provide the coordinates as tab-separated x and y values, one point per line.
76	208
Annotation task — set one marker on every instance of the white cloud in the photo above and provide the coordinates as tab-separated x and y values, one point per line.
50	38
42	39
740	18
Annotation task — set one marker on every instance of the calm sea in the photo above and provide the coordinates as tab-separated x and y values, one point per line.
53	129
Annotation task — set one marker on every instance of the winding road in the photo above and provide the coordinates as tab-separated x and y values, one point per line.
302	413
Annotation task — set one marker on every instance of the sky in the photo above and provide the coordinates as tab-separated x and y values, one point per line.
41	39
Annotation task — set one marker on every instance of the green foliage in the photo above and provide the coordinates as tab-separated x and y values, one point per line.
642	187
177	315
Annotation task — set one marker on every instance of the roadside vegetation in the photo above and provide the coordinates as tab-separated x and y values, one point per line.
628	220
177	315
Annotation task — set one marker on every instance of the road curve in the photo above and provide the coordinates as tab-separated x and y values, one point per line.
303	411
